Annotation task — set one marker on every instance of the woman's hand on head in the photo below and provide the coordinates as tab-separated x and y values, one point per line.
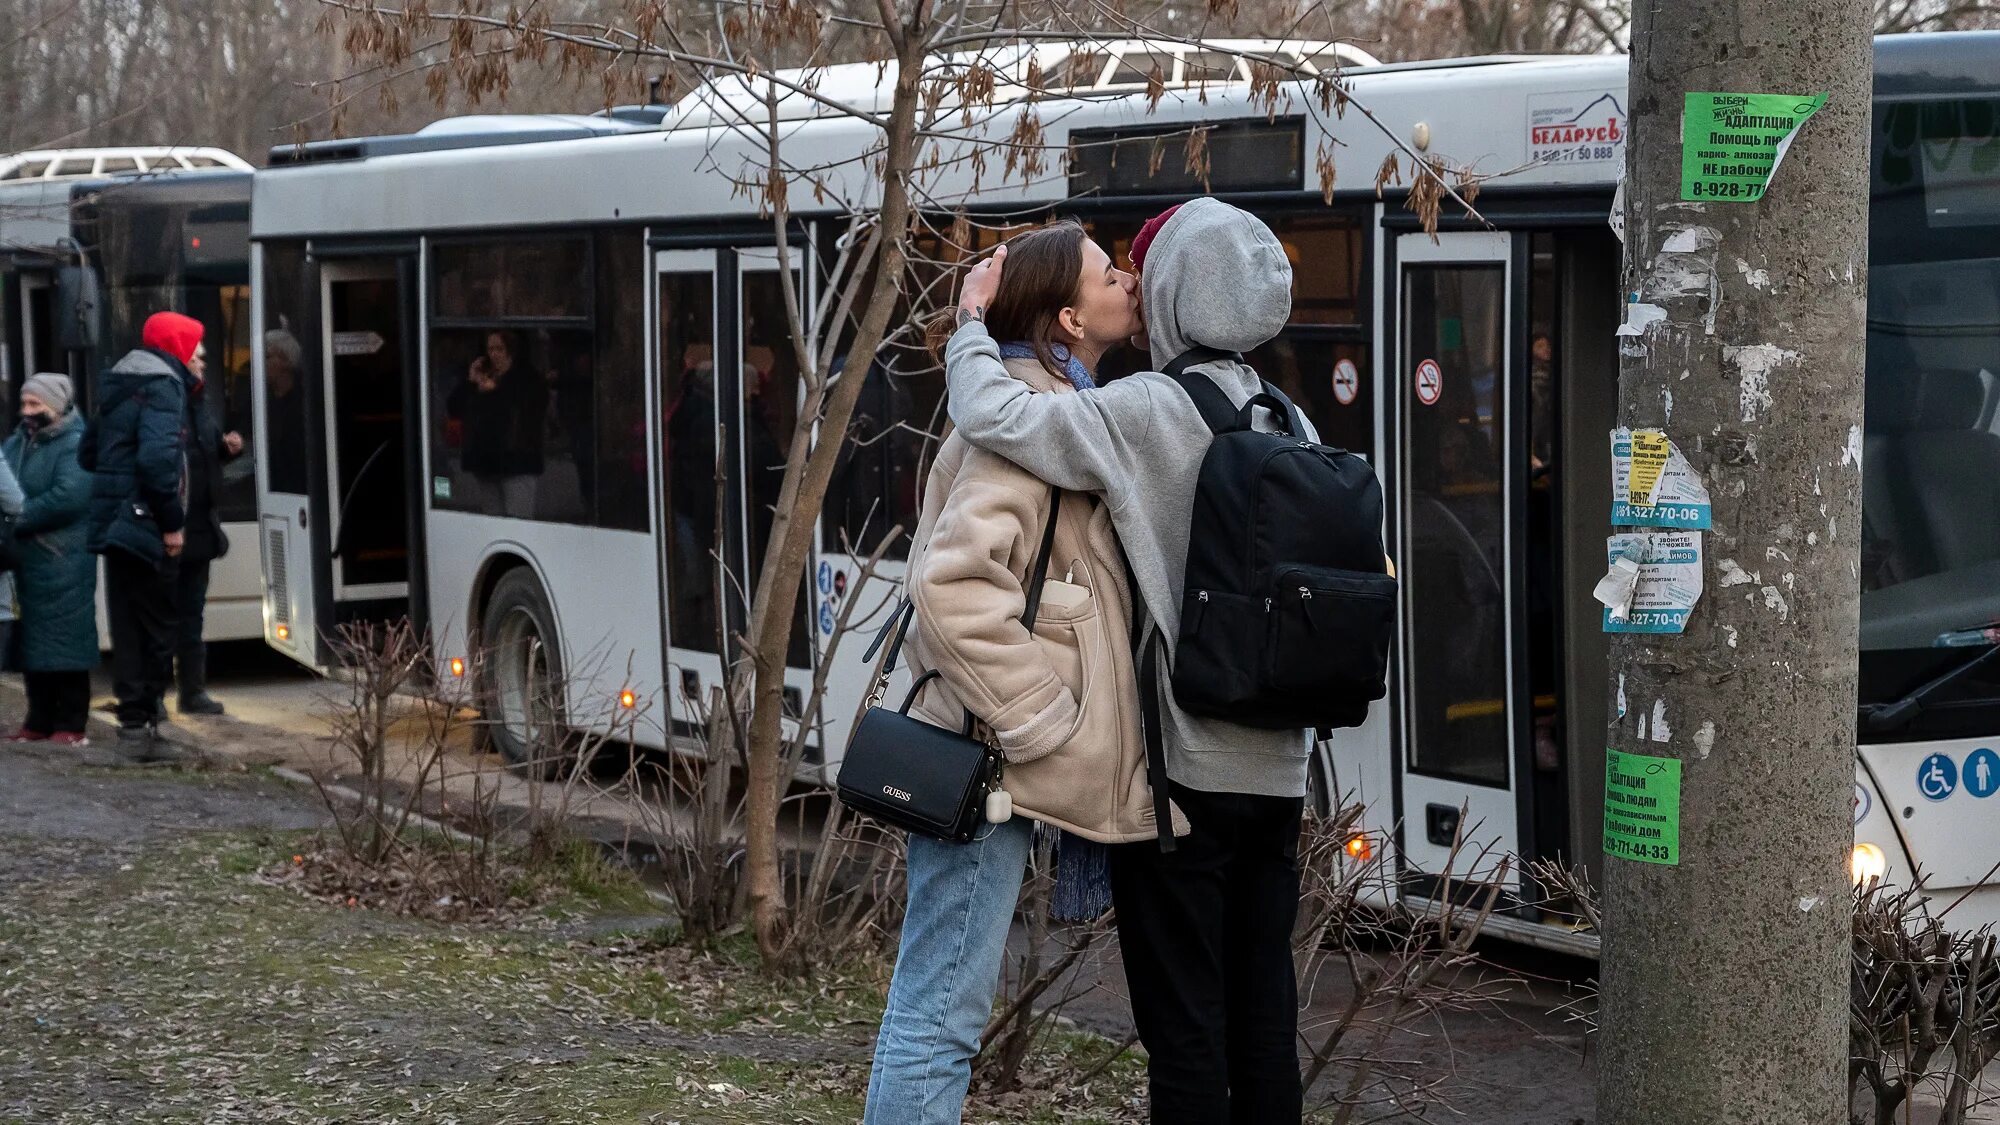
982	284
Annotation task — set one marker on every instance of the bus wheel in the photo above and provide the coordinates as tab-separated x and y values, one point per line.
524	674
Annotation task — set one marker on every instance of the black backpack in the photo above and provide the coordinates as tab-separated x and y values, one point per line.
1288	607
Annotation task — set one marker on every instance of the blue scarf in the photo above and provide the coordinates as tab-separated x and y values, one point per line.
1073	368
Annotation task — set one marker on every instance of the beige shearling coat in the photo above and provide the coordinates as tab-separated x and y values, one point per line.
1063	705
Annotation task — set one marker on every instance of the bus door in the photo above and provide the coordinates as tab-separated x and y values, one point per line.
365	322
730	393
1456	548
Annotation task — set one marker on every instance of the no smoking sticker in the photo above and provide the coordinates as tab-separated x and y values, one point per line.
1430	382
1346	382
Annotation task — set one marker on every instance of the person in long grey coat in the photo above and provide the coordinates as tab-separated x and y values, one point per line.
56	581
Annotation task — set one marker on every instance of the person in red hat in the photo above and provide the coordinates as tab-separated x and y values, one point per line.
209	446
137	450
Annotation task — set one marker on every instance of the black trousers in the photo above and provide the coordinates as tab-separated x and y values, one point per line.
140	598
190	608
1206	935
58	702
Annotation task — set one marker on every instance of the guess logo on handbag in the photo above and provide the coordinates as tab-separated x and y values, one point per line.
895	792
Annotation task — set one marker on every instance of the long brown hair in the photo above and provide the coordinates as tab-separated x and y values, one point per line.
1037	283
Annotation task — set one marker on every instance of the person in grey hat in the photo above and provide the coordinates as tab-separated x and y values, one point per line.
56	575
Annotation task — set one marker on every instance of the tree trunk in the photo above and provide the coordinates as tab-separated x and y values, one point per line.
1725	974
808	472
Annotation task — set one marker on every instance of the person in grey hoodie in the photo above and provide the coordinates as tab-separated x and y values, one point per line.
1206	928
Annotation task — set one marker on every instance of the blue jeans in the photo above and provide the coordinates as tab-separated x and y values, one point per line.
954	937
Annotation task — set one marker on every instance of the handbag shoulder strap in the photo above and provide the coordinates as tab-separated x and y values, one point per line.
895	630
1040	573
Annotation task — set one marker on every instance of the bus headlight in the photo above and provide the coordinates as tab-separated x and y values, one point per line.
1867	864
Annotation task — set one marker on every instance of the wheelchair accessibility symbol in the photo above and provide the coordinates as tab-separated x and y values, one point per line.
1937	778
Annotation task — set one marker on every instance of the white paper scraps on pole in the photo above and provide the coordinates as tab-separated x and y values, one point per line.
1615	588
1617	216
1652	485
1638	315
1667	584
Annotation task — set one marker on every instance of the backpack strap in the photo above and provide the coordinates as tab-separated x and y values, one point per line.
1215	407
1156	752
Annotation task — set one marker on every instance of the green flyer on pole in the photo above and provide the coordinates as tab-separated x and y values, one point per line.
1642	807
1732	144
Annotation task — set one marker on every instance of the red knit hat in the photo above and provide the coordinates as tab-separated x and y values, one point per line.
1143	241
172	333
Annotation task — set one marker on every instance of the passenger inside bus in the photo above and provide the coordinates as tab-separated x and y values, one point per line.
284	412
501	404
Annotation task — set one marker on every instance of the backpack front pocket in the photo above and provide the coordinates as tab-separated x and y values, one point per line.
1327	633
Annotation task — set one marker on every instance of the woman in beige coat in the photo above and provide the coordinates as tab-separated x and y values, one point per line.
1061	703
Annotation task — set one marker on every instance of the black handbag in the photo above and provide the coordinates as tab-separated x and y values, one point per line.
910	774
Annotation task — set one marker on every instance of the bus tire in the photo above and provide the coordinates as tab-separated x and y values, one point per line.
523	694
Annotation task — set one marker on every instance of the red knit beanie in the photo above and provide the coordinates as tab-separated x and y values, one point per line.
1143	241
172	333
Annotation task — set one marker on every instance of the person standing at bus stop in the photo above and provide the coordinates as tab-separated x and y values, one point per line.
209	446
1205	930
55	578
138	516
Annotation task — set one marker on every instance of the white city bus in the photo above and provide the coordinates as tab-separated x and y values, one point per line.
642	293
92	241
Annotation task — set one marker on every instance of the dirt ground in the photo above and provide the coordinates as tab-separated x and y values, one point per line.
151	970
92	851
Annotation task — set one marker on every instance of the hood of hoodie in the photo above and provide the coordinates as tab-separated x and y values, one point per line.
139	365
1215	277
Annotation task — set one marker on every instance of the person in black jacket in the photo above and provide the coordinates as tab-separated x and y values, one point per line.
138	515
209	446
504	406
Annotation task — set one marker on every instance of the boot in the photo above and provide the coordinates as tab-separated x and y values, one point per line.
192	670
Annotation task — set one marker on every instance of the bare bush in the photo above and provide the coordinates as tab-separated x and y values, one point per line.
1401	968
1923	1003
1923	1013
415	828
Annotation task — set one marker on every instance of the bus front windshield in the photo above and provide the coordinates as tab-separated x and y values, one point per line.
1931	447
190	258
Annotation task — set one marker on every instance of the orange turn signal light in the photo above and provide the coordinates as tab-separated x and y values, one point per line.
628	699
458	666
284	632
1359	848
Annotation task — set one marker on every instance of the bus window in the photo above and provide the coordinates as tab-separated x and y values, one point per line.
1152	159
687	395
1322	359
620	394
1930	548
510	404
1456	589
226	392
287	366
771	387
529	277
512	380
878	484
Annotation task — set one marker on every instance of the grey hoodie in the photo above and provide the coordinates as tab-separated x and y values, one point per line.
1215	276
